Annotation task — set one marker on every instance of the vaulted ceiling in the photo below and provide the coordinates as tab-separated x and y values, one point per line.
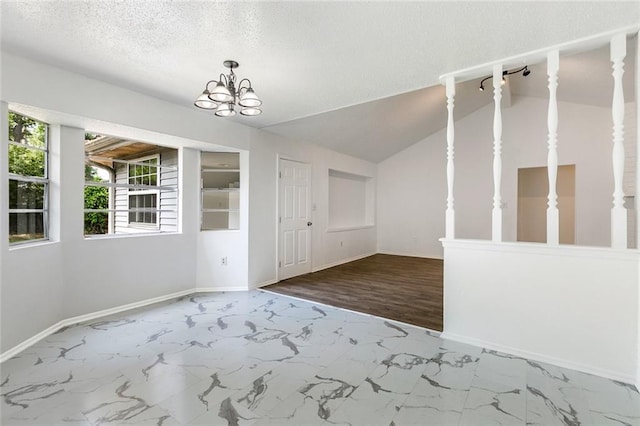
357	77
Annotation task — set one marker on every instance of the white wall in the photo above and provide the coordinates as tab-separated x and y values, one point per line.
232	244
77	276
350	200
418	174
574	307
325	246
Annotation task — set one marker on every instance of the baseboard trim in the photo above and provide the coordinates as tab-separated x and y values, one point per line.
342	261
218	289
534	356
264	284
87	317
10	353
396	253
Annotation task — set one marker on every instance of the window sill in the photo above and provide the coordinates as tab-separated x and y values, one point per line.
132	235
33	244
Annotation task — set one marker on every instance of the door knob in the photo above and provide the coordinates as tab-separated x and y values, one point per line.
309	223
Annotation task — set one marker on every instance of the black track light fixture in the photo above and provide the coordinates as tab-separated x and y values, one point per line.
524	70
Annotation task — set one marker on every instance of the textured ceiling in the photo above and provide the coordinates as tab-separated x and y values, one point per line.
303	58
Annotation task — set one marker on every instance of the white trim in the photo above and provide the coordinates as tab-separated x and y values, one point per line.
220	289
575	46
535	356
397	253
262	284
340	262
543	249
87	317
350	228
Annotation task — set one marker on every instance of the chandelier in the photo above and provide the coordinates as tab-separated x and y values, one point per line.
225	99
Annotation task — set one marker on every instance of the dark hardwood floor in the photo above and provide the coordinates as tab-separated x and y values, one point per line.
407	289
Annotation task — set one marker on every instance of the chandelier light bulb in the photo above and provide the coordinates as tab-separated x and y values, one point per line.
204	102
221	93
226	110
250	99
250	111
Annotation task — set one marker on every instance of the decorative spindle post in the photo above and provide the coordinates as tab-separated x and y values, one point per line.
496	217
553	216
450	218
637	194
618	212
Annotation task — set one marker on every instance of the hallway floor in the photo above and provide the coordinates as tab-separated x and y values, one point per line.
263	359
403	288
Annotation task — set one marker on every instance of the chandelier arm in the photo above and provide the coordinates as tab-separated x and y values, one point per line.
242	81
208	83
224	77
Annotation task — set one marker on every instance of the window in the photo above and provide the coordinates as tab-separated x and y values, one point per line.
220	192
142	200
130	186
28	179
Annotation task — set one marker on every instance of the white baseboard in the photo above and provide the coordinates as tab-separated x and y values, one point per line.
30	341
218	289
534	356
264	284
397	253
87	317
342	261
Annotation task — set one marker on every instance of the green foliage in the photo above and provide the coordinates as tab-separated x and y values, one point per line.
27	130
24	160
30	133
95	197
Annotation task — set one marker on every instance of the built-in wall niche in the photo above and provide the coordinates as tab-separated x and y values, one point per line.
220	190
351	201
533	190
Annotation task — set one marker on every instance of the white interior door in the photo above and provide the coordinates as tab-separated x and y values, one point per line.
294	212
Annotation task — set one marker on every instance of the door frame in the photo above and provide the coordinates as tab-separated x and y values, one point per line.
277	216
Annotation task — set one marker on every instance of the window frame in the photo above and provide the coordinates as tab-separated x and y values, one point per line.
140	192
141	228
44	180
228	190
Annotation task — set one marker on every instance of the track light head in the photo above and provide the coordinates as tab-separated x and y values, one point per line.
524	70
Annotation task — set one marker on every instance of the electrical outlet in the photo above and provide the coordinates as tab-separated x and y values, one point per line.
223	261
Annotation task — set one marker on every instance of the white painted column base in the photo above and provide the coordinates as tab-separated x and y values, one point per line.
619	228
553	228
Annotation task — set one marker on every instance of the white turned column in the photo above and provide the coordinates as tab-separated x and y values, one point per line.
450	214
637	193
496	217
553	217
618	212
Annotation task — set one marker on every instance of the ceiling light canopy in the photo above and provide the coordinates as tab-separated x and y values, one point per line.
524	70
225	99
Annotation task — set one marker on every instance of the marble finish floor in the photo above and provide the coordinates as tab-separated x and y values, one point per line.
257	358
